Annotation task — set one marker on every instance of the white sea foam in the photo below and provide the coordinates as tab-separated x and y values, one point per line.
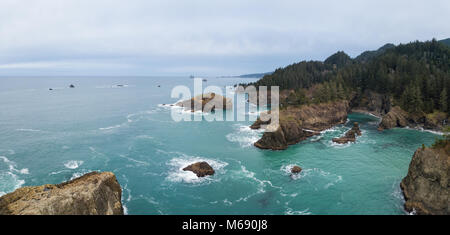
12	166
290	211
244	135
72	164
176	173
9	178
110	127
28	130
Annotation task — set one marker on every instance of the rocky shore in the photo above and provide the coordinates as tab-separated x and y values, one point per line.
426	186
299	123
91	194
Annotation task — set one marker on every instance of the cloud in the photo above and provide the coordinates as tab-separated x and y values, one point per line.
49	33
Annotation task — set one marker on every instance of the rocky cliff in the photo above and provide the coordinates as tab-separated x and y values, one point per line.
299	123
397	117
91	194
426	187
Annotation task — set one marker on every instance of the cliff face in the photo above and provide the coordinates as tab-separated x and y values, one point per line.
92	194
426	187
297	124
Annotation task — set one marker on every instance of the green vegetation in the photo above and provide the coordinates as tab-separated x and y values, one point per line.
416	75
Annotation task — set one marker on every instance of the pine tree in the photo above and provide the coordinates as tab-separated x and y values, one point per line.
443	100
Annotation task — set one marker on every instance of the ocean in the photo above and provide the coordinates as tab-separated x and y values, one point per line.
51	136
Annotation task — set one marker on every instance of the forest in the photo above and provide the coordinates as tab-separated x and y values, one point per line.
416	75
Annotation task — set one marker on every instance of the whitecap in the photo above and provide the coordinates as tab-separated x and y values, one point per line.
110	127
73	164
244	136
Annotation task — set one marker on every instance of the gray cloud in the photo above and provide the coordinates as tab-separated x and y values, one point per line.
202	36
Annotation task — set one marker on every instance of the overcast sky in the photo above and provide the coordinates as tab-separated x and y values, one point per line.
202	37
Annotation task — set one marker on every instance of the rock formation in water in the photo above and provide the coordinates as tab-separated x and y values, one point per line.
201	169
206	102
426	187
296	170
350	136
91	194
371	102
299	123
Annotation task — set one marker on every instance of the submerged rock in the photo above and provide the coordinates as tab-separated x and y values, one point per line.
350	136
206	102
201	169
296	170
426	186
91	194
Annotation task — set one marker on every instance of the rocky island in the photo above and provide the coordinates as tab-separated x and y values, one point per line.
91	194
201	169
206	102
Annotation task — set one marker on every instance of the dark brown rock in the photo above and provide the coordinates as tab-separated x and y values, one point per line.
350	136
201	169
426	186
296	170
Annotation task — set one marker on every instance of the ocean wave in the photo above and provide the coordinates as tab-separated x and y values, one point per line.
72	164
28	130
290	211
110	127
176	173
244	135
9	176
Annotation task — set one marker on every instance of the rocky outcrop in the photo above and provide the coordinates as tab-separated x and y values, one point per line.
397	117
299	123
426	187
91	194
350	136
206	102
201	169
296	170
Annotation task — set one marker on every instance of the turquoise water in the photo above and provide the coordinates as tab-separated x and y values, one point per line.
53	136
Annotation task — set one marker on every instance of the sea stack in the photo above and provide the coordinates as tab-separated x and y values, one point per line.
426	186
201	169
350	136
91	194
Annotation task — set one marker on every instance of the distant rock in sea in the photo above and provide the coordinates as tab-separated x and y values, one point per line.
426	186
201	169
91	194
72	86
209	101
